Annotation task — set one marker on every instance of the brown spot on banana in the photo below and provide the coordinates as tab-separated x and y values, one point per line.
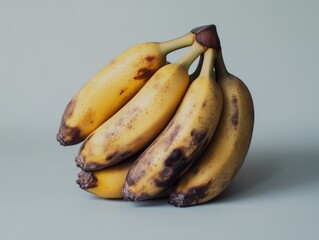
174	166
150	58
173	134
66	131
144	73
89	117
198	136
138	175
235	112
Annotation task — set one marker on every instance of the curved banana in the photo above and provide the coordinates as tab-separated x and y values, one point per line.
182	141
141	119
226	153
105	183
113	86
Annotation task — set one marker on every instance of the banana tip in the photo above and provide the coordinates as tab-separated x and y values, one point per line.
129	196
86	180
177	200
60	139
79	162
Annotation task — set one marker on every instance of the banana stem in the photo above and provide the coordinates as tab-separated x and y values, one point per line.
196	73
208	63
191	55
220	68
177	43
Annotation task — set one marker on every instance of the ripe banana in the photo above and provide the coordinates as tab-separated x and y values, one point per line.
113	86
105	183
226	153
135	125
182	141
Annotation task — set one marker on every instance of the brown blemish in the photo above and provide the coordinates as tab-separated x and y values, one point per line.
144	74
86	180
204	104
121	92
150	58
89	117
192	196
68	135
235	113
177	163
174	166
132	113
198	136
119	122
129	180
174	134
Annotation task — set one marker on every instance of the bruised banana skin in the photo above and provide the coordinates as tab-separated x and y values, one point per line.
181	142
135	125
226	153
113	86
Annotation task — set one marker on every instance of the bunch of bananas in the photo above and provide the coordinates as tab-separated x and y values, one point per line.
152	130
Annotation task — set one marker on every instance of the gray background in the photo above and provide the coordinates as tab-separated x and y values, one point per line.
49	49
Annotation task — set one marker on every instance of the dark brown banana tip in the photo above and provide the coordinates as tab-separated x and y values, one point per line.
129	196
207	36
60	139
80	162
177	200
86	180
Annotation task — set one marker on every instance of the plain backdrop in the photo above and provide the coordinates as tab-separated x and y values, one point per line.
49	49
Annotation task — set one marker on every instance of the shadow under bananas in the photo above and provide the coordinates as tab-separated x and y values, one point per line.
273	171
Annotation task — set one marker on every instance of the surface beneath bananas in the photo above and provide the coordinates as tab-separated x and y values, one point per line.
274	183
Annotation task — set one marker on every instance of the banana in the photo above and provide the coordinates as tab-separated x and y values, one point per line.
182	141
105	183
113	86
135	125
108	182
226	153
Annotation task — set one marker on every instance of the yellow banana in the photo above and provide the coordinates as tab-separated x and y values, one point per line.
105	183
226	152
135	125
182	141
113	86
108	182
